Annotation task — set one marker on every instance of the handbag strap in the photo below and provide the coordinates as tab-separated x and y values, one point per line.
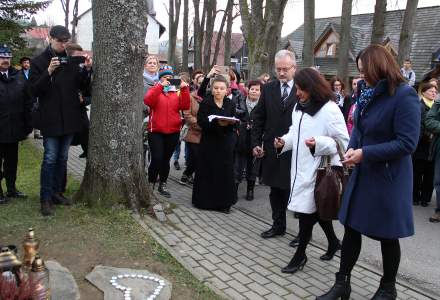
339	147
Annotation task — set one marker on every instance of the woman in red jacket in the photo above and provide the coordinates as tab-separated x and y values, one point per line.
164	125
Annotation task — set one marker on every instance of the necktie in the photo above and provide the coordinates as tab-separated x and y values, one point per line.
4	77
285	93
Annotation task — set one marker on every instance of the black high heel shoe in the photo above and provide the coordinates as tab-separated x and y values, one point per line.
331	252
294	265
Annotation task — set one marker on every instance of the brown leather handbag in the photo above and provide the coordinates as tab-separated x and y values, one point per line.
329	186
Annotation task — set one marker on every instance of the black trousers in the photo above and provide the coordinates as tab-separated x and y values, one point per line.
306	224
351	248
247	163
162	147
192	159
8	164
279	199
423	180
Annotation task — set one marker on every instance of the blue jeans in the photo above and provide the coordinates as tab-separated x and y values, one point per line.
437	181
53	168
176	153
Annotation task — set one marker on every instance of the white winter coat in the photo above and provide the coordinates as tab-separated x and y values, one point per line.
326	124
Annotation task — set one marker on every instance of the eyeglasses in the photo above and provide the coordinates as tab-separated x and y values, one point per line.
284	70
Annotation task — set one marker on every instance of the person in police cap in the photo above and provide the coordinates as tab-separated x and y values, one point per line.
56	80
15	123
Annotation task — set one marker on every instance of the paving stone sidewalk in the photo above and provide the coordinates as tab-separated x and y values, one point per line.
227	253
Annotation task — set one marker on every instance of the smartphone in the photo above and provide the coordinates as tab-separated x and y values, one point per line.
175	81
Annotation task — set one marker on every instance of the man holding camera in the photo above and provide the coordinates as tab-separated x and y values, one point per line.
15	108
56	79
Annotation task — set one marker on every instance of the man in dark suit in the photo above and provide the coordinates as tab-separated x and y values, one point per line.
56	80
15	115
272	118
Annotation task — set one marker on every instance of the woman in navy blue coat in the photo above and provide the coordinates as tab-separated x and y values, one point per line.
377	201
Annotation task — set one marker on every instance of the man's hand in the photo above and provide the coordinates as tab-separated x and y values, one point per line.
278	143
54	64
353	157
258	152
88	62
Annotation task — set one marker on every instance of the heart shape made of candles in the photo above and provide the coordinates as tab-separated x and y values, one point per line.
127	290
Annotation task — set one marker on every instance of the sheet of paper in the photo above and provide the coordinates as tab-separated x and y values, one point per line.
212	117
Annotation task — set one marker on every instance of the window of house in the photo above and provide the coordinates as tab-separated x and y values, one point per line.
331	49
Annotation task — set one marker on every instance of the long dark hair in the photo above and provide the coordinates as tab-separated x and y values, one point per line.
314	83
377	64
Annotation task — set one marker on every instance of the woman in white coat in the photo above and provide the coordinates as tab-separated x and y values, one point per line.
316	122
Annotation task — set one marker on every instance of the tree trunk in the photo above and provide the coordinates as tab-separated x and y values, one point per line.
174	15
380	9
262	31
74	20
228	36
114	171
199	26
65	4
185	37
308	55
220	33
407	31
209	31
345	41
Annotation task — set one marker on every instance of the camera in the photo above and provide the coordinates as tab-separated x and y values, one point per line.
64	60
75	60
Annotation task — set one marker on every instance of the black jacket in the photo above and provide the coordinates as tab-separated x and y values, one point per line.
425	145
244	130
59	105
15	108
271	119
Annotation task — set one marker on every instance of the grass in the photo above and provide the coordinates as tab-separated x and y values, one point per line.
80	238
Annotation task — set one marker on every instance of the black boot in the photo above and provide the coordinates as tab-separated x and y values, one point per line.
386	291
340	290
250	190
46	208
163	190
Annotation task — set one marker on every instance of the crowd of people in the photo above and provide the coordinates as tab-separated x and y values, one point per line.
275	131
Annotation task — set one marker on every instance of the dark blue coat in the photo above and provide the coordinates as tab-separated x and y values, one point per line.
377	201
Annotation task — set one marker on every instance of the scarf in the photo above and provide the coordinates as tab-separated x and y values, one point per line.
365	97
310	107
150	79
428	102
339	99
250	104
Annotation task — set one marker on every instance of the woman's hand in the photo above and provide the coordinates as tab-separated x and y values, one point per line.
214	71
223	122
165	83
352	157
278	143
311	143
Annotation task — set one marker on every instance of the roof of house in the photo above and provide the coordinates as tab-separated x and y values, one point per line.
153	16
39	33
426	39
